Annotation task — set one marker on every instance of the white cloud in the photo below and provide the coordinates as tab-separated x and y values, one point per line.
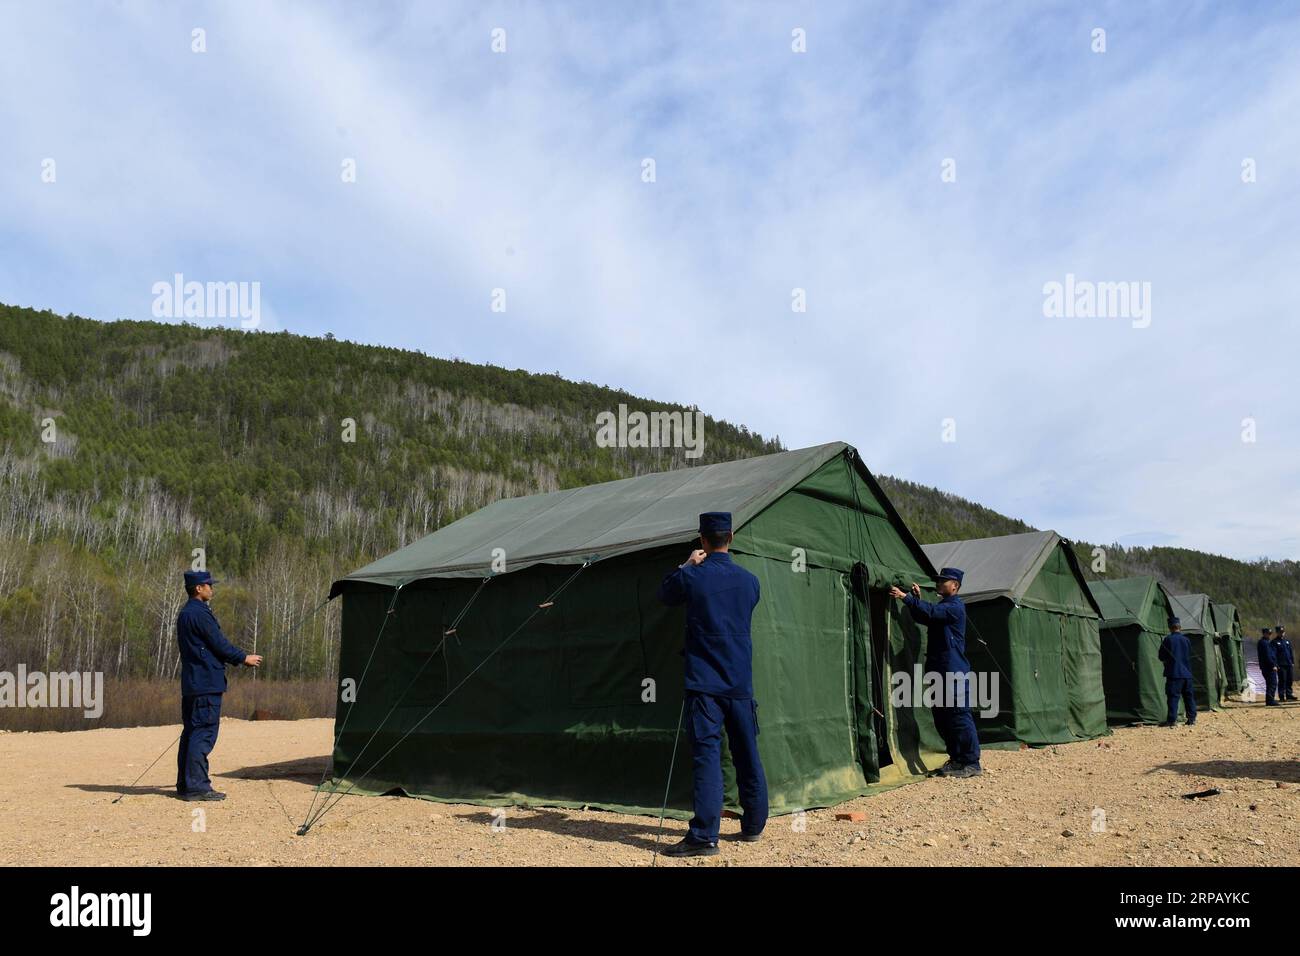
775	170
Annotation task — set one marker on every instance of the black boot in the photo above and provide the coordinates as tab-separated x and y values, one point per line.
689	847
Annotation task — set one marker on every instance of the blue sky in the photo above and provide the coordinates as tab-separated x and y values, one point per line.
775	170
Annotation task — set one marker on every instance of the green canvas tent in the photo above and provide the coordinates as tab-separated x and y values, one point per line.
1208	677
521	683
1135	619
1227	627
1032	621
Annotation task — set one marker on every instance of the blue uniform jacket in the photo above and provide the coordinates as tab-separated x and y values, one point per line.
205	652
1267	655
720	597
1176	652
945	650
1282	652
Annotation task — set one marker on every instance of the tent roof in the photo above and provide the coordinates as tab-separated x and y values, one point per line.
1125	601
607	519
1005	566
1193	611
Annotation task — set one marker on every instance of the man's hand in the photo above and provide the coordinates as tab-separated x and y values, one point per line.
253	660
916	590
696	557
895	592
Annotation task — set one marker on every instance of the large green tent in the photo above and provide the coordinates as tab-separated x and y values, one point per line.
521	683
1208	677
1227	627
1032	621
1135	619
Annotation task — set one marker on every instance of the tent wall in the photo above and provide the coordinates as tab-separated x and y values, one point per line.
1133	675
556	716
1085	687
1053	664
1234	662
1016	645
1227	626
1048	648
1207	671
1208	676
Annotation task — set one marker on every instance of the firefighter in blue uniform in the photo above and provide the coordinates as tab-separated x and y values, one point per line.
720	597
1268	666
1176	653
1285	657
205	652
945	653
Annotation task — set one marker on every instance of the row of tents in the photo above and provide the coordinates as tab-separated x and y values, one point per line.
520	655
1135	619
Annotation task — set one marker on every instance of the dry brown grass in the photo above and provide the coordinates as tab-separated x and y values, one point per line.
149	703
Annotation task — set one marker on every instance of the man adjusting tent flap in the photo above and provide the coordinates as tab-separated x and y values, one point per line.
946	654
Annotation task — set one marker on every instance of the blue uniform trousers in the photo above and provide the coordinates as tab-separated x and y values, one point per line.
956	725
1284	692
1270	683
1176	688
706	716
201	719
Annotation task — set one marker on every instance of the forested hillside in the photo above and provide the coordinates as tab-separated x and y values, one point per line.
125	446
168	438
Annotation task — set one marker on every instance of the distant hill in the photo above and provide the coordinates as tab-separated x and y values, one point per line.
125	446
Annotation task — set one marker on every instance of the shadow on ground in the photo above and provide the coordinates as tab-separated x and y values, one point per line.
122	789
309	769
1287	771
638	835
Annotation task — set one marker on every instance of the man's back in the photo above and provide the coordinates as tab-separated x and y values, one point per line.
1176	652
720	597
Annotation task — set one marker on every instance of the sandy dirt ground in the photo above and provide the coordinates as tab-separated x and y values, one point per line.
1031	807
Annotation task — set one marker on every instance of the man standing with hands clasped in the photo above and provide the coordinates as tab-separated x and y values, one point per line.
720	597
945	654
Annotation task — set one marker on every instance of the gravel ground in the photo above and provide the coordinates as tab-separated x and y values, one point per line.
1115	801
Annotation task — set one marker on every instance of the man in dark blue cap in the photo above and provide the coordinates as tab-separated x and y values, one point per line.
1285	657
1268	666
1176	653
720	597
205	652
945	654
